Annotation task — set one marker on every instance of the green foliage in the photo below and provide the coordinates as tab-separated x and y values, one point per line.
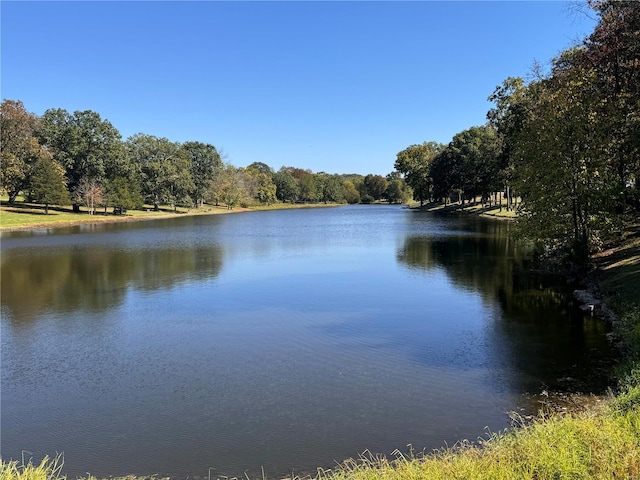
83	143
19	148
287	189
374	186
414	163
351	193
48	185
123	192
204	164
164	170
561	166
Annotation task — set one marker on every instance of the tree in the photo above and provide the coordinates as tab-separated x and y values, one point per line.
375	186
19	147
507	118
351	193
263	188
48	184
475	152
329	187
89	193
445	173
397	191
287	189
414	163
232	188
164	169
83	143
613	51
308	186
261	167
562	170
204	164
122	192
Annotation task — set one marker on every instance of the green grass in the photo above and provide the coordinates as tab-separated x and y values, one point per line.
602	443
48	469
496	211
25	215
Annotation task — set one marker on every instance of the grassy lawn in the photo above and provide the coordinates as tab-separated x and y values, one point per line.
23	215
31	215
497	211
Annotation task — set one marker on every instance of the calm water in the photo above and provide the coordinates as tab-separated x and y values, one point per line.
286	340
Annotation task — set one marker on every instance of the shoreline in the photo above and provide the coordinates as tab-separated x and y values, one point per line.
83	218
495	212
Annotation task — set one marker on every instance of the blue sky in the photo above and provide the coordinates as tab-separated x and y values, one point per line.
334	86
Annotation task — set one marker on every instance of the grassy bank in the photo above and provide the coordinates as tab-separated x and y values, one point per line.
24	215
476	208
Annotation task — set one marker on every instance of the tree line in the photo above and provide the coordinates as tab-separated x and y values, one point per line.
78	158
566	142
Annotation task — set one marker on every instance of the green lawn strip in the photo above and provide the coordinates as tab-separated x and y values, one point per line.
28	215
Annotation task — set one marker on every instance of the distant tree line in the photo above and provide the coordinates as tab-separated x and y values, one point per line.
567	143
78	158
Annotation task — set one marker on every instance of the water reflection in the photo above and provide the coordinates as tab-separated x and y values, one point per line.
96	278
534	318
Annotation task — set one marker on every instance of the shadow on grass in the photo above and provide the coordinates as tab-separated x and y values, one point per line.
33	209
472	208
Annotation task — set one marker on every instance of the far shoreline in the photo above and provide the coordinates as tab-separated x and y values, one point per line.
83	218
71	219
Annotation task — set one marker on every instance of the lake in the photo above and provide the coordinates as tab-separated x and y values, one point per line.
285	340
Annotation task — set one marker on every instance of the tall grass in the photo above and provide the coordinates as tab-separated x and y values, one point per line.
48	469
592	445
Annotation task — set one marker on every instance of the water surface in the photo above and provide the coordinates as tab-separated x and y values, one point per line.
285	339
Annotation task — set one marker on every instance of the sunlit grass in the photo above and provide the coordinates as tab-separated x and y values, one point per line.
598	444
48	469
25	215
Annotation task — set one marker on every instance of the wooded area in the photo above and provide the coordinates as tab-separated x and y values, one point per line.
80	158
567	143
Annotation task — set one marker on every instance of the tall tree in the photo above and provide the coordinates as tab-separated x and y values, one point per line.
89	193
476	152
19	147
414	163
613	51
507	118
83	143
204	164
48	185
561	171
264	190
445	173
164	169
375	185
287	189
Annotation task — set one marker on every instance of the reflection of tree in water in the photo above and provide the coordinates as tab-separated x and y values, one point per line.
489	262
546	336
96	278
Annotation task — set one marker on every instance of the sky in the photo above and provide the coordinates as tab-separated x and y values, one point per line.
332	86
